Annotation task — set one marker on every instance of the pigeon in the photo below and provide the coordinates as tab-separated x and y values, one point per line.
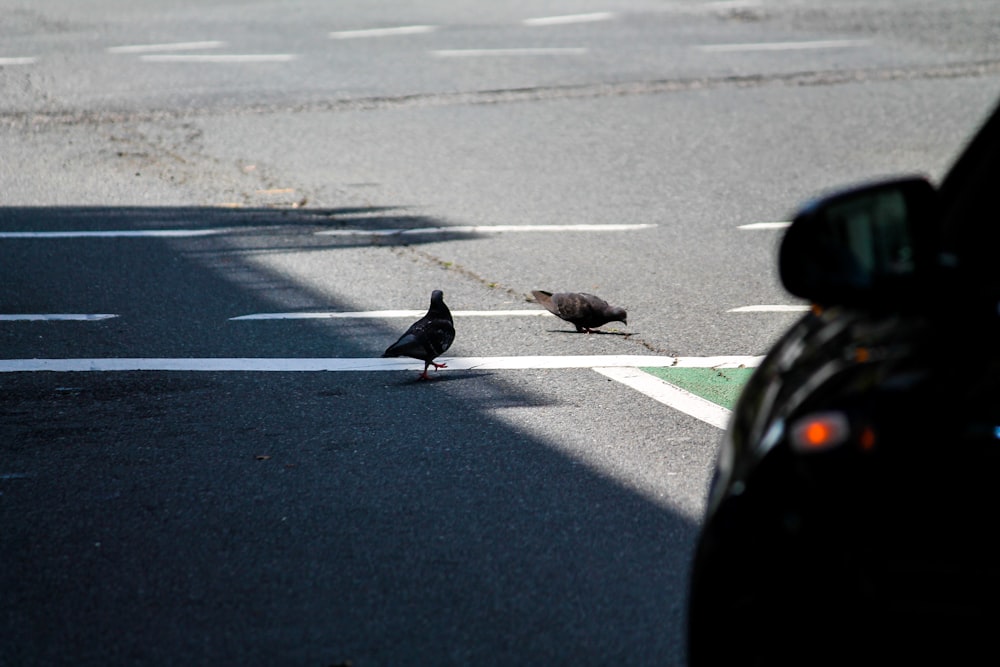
583	310
428	337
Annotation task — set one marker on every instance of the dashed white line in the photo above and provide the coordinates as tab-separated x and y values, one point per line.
670	395
20	60
569	19
55	317
173	46
221	58
383	32
386	314
798	308
117	233
487	229
782	46
540	51
753	226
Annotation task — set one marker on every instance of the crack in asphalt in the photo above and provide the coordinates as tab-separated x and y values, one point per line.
495	285
954	70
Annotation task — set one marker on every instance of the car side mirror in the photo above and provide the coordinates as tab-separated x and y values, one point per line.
860	247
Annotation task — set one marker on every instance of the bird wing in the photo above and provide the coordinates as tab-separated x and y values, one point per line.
545	299
425	339
573	306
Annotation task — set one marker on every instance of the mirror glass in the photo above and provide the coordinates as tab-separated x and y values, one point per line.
857	246
872	232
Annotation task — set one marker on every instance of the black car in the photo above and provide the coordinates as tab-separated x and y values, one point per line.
854	513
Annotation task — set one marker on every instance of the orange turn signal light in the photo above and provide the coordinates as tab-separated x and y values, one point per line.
820	431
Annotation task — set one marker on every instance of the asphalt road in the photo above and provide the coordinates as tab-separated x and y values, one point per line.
493	515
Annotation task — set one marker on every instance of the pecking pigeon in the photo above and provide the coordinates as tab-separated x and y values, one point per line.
428	337
585	311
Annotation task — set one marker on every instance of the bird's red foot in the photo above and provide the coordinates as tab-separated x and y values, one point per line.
424	375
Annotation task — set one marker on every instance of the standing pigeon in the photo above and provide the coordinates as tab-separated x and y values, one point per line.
585	311
428	337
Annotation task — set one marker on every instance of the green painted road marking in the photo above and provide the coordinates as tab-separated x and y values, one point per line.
722	386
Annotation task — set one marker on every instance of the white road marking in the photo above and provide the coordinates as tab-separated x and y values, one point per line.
569	18
783	46
457	229
731	4
366	364
668	394
376	314
705	7
539	51
22	60
798	308
729	361
174	46
383	32
753	226
486	229
117	233
55	317
621	368
230	58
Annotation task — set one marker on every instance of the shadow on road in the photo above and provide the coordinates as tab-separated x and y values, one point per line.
291	518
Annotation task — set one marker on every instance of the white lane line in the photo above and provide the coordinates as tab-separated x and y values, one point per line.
22	60
753	226
173	46
117	233
188	233
230	58
783	46
383	32
569	19
728	361
540	51
55	317
668	394
366	364
798	308
376	314
723	5
486	229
